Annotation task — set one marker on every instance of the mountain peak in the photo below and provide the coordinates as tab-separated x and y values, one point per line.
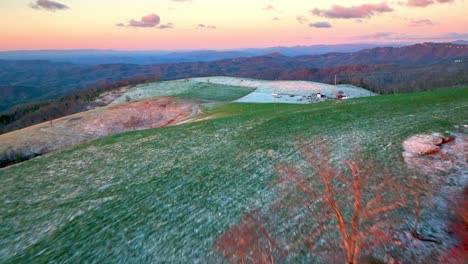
275	54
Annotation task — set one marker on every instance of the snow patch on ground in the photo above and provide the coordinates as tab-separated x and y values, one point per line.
265	89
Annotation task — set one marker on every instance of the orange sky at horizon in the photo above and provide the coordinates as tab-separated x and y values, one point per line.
86	24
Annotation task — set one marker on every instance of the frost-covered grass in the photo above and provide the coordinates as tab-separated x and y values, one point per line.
216	92
186	88
164	195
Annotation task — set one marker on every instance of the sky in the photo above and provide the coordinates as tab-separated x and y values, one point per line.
225	24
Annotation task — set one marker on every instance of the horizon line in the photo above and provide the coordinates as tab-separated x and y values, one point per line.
230	49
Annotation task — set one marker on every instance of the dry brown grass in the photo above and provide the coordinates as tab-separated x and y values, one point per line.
71	130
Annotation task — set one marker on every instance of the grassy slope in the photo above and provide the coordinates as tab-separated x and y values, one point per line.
216	92
166	194
194	90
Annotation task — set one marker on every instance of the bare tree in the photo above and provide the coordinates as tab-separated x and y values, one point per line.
248	242
354	198
350	205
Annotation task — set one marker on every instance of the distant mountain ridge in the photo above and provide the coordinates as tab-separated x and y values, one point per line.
460	42
56	79
96	57
418	54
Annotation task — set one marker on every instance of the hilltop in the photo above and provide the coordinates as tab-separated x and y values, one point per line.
153	105
168	194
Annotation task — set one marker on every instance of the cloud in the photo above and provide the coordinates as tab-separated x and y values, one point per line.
301	19
276	19
48	5
419	3
320	25
148	21
456	35
377	35
269	8
166	26
393	36
362	11
422	22
203	27
424	3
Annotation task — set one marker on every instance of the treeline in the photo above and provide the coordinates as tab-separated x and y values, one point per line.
22	116
397	79
386	79
28	81
381	79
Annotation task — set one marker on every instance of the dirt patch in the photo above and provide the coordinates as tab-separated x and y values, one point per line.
108	97
137	115
436	153
71	130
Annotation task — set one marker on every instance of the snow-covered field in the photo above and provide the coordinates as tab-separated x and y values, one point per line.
284	89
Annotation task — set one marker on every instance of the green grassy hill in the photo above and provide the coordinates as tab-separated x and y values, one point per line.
188	89
165	195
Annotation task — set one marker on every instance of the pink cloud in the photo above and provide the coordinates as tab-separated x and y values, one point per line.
166	26
320	25
393	36
422	22
424	3
377	35
301	19
362	11
148	21
419	3
203	27
269	8
48	5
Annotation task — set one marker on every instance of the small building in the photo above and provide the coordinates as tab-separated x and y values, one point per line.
341	95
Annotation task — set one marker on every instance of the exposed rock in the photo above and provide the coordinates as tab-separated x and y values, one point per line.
431	151
422	153
445	137
423	144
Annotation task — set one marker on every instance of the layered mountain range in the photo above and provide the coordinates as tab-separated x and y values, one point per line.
382	69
